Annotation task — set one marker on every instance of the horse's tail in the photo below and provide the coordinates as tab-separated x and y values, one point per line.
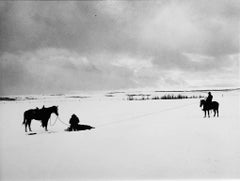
24	119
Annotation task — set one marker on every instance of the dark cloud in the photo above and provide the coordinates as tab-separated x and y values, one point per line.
58	70
86	44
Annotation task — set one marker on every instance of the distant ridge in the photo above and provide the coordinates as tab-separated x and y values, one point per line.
202	90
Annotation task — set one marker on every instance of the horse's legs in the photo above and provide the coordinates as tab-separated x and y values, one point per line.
208	114
29	126
214	112
204	113
45	125
25	127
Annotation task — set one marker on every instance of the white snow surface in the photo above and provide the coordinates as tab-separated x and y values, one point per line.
150	139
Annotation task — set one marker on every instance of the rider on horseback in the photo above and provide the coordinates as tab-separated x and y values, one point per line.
209	100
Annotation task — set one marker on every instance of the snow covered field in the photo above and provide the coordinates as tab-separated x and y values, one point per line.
149	139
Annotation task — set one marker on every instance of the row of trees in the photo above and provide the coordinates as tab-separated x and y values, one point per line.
132	97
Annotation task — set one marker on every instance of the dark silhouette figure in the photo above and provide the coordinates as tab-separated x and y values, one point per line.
73	123
75	126
209	98
42	115
213	105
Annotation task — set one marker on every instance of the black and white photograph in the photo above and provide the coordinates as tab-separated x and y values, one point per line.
119	90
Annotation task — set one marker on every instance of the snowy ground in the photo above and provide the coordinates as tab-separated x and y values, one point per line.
149	139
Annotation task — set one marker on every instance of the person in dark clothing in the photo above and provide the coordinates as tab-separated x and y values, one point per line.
73	123
209	98
75	126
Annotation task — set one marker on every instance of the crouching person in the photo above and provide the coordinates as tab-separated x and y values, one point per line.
74	121
75	126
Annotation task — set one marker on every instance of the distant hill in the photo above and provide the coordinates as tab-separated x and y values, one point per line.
202	90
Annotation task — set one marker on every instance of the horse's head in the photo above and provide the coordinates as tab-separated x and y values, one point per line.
55	110
202	102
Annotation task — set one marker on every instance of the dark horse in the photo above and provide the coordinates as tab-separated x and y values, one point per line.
38	114
214	105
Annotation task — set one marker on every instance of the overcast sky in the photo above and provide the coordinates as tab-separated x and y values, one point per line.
57	47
